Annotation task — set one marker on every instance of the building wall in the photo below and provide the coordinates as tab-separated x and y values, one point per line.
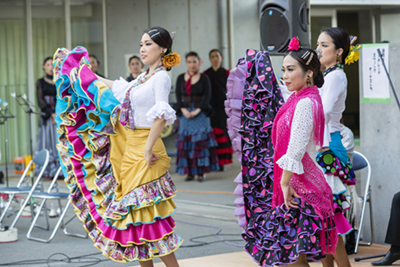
195	31
380	129
390	24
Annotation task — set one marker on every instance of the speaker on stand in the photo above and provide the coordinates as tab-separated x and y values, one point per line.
280	20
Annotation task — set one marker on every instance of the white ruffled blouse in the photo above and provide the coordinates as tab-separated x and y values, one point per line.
148	100
301	139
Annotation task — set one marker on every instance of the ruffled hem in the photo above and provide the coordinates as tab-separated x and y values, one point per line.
290	164
141	197
283	234
161	110
144	252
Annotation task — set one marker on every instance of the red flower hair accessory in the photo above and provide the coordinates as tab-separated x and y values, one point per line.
294	44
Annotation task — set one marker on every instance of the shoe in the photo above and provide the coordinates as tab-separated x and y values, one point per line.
1	177
388	259
189	178
201	178
221	168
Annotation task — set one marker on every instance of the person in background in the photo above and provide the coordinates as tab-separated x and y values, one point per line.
135	65
218	77
95	63
47	135
196	143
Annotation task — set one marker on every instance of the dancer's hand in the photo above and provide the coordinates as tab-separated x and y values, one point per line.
289	194
150	157
323	149
186	113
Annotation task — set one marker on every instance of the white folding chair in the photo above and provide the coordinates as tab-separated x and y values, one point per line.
51	195
360	162
23	187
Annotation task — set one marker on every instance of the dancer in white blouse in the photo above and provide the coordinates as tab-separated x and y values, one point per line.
144	163
333	47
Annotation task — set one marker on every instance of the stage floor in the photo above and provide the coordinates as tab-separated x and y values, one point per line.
242	259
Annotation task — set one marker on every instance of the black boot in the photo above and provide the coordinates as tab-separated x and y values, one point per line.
388	259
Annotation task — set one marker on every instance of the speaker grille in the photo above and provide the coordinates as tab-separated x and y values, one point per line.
274	29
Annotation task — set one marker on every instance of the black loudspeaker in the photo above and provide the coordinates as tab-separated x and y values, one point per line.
280	20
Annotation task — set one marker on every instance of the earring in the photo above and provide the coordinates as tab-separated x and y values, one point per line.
308	80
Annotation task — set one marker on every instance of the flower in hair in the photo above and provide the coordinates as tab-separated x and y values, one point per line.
171	59
354	54
294	44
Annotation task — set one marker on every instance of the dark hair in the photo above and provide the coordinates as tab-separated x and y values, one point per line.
133	57
340	38
302	56
94	56
214	50
47	58
161	37
192	54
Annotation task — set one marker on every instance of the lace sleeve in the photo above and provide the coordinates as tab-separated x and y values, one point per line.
300	134
161	109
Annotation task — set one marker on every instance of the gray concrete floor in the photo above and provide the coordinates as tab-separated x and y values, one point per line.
209	203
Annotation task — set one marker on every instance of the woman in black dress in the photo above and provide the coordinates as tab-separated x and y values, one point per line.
196	143
47	135
218	77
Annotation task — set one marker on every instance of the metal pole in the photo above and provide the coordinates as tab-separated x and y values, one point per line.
390	80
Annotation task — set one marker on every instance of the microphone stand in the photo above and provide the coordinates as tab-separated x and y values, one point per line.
3	119
29	109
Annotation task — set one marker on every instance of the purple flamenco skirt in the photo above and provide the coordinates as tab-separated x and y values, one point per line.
279	236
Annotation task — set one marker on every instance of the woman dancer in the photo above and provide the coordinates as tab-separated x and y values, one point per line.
333	47
135	66
218	77
119	161
47	136
196	143
299	227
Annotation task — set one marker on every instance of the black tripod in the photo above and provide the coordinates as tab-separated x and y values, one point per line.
4	116
29	109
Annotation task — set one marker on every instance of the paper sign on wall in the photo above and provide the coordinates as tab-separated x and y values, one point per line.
375	81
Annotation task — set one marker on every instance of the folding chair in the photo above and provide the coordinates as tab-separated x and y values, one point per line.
52	196
359	163
42	159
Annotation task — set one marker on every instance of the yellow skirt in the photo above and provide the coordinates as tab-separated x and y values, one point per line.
127	158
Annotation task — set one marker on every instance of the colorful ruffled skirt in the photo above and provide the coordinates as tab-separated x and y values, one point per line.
125	206
279	236
339	174
196	146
